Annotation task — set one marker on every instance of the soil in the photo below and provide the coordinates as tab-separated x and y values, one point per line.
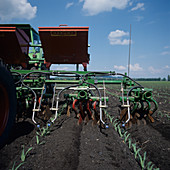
70	146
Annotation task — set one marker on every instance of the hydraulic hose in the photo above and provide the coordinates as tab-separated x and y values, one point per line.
35	101
112	74
129	78
19	75
58	97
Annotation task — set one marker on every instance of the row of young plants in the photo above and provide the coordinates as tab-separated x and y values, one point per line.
22	157
125	135
159	113
40	134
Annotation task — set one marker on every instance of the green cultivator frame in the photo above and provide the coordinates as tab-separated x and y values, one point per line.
43	93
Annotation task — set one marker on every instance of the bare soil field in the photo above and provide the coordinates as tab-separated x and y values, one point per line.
87	146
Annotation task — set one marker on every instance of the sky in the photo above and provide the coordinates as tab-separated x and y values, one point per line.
109	30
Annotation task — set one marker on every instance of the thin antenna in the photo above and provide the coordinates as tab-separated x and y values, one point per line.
129	52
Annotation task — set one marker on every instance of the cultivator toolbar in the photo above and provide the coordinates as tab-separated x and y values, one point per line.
46	93
86	97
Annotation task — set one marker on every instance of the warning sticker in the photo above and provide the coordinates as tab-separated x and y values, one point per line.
63	33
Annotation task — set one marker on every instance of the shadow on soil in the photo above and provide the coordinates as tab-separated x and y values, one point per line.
20	129
164	129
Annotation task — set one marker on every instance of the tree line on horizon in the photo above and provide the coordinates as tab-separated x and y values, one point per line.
153	79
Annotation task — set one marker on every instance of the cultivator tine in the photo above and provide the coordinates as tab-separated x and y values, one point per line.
150	117
140	111
68	111
86	119
95	115
148	107
155	105
85	111
89	110
81	113
81	110
47	113
74	107
144	121
124	117
78	115
80	119
40	99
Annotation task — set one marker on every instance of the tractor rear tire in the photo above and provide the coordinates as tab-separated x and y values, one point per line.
8	103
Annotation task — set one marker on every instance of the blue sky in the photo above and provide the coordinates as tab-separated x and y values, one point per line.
109	22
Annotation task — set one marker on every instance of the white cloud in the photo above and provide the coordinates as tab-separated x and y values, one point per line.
130	3
60	67
119	67
139	18
135	67
142	56
167	47
138	6
94	7
16	9
165	53
159	71
153	70
115	37
68	5
167	67
118	33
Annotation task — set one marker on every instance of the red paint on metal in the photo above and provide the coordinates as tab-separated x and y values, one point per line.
74	103
14	44
39	100
63	29
48	64
88	108
65	45
81	110
7	29
94	105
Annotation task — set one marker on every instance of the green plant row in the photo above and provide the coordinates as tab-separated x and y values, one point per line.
44	131
159	113
41	132
132	146
23	158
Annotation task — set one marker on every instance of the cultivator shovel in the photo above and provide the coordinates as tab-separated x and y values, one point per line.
139	106
84	104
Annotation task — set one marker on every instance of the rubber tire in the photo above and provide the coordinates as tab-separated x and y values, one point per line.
8	103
